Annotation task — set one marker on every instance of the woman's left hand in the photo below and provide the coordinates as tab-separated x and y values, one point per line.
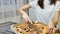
51	28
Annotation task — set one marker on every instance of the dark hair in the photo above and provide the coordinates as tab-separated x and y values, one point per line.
41	3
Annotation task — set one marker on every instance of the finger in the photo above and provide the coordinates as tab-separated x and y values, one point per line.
47	31
25	19
30	20
54	30
50	30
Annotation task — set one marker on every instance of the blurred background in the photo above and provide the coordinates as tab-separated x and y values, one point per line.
8	10
9	14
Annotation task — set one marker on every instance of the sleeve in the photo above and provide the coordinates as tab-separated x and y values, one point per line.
58	6
33	3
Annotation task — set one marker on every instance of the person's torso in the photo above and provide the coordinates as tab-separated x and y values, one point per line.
45	15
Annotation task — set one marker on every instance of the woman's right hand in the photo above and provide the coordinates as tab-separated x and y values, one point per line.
25	17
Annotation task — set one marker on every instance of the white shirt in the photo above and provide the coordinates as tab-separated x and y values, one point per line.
47	14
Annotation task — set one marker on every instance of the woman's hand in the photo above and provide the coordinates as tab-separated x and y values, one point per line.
25	17
51	28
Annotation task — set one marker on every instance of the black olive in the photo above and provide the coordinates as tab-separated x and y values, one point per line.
20	32
37	32
24	28
27	30
30	27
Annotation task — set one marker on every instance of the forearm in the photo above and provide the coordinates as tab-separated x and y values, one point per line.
54	22
23	8
56	18
21	11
